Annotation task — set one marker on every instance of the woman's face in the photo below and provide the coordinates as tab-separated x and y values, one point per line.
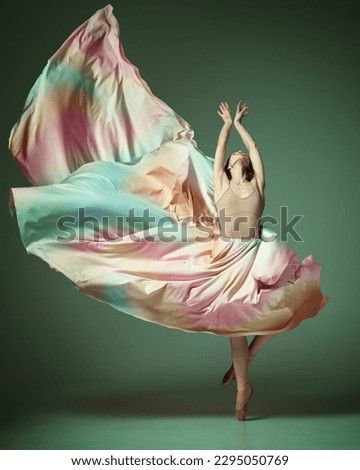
238	158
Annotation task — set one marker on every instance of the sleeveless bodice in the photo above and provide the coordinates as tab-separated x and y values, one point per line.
239	216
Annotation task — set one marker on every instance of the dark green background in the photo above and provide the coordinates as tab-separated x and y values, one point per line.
295	63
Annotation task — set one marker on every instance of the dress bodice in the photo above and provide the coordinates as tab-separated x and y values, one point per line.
239	216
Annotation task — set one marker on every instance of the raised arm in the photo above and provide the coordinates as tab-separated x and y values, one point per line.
251	145
219	175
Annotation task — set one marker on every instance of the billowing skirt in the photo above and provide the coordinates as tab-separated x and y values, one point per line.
122	202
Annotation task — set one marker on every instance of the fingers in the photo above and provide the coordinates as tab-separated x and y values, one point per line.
240	106
224	105
225	109
241	109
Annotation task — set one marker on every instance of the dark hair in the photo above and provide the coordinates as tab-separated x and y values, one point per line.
249	169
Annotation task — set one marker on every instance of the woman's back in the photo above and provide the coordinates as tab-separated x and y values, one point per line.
239	215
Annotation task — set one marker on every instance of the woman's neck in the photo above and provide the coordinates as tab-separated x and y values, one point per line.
239	181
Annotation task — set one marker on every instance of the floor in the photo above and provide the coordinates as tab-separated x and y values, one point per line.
286	418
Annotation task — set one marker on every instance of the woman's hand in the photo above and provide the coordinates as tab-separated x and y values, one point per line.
241	111
225	113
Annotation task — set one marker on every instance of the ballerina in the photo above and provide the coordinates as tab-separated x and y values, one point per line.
98	146
239	172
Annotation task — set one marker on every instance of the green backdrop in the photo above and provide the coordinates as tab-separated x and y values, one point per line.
295	63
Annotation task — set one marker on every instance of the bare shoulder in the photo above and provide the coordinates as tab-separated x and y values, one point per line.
260	185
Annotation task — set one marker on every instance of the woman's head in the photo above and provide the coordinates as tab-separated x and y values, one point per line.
239	163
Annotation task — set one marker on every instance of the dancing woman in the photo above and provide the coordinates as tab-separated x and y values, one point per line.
239	187
92	136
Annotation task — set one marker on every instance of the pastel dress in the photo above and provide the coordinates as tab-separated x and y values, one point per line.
122	203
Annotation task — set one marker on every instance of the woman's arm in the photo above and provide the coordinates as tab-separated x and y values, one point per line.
254	154
219	160
220	153
245	135
250	144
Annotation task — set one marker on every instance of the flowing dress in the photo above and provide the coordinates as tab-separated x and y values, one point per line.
122	202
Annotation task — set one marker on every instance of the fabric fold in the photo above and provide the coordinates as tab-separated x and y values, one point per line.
122	202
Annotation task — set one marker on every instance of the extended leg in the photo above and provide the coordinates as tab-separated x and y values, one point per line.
258	343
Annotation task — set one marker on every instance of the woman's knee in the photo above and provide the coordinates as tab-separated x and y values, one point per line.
238	341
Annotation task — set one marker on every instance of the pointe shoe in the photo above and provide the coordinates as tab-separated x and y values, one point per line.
241	408
228	377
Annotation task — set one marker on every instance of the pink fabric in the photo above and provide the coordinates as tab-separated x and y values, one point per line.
93	136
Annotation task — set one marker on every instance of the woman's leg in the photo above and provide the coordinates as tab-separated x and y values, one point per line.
240	357
237	344
258	342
